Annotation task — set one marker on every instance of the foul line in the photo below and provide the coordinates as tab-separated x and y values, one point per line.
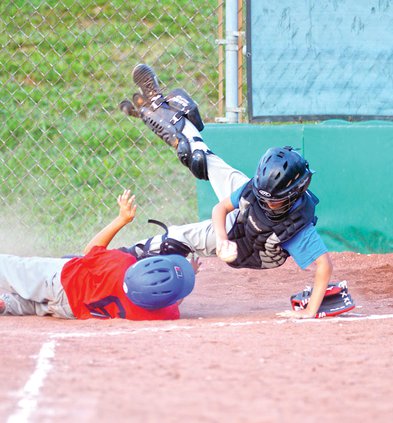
29	394
172	328
346	318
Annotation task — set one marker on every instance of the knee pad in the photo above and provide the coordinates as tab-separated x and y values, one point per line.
194	160
198	165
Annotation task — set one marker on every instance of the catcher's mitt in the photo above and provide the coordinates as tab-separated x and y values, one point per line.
337	300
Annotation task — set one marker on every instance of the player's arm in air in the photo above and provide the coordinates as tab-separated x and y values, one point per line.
226	250
127	211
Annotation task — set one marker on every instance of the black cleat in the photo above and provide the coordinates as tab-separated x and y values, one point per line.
147	81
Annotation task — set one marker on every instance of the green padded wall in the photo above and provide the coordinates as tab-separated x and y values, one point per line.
353	176
354	182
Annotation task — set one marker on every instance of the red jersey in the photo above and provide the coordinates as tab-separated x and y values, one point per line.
94	287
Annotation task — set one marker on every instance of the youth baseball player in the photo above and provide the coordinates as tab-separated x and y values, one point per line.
103	283
258	222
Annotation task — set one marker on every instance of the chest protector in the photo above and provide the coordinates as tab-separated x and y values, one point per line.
259	239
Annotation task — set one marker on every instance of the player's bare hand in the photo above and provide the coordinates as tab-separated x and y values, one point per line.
226	250
127	206
292	314
195	263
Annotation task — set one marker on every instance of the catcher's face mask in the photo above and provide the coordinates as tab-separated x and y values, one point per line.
276	208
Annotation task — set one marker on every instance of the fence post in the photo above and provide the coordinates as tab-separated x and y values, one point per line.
231	65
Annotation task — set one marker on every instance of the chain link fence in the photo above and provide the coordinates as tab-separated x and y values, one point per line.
66	150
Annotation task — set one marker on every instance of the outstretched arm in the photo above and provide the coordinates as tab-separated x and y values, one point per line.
323	273
126	215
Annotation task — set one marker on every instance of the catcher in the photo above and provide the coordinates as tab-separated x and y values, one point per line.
257	222
103	283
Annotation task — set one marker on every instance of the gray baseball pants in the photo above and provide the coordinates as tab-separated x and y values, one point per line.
32	286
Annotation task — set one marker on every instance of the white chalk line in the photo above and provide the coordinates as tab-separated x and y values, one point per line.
343	319
173	328
30	392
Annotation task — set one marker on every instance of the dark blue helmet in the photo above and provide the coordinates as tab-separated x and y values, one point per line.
159	281
282	176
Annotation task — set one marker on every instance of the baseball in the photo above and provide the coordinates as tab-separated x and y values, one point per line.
228	251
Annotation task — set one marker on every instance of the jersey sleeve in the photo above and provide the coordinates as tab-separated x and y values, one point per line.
235	196
306	246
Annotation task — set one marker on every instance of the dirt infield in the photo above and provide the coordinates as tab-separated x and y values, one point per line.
229	359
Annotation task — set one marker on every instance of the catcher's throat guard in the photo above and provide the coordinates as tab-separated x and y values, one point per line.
337	300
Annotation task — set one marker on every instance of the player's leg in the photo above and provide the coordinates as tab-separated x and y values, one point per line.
35	280
175	119
223	178
15	305
198	237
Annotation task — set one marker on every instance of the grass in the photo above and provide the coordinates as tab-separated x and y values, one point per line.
66	150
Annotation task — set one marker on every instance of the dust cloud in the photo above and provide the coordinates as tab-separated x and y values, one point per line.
17	238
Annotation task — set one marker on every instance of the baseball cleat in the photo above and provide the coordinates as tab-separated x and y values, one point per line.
144	76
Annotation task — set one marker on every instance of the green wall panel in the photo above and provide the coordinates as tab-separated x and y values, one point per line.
353	180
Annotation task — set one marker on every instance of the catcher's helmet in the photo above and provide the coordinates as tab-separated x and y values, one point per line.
159	281
282	176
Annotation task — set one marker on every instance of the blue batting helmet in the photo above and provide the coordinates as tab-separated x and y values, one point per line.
159	281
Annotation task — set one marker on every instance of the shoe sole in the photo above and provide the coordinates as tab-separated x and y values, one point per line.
144	76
